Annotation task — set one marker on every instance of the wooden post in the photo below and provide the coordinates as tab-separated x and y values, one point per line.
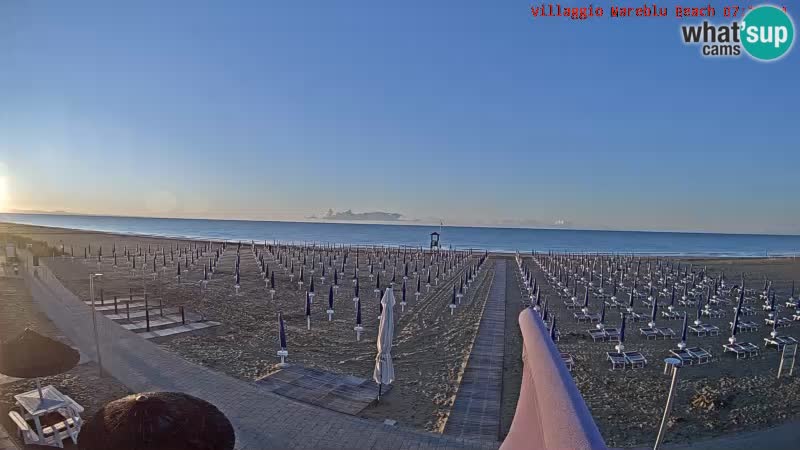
161	306
128	310
183	316
115	305
147	317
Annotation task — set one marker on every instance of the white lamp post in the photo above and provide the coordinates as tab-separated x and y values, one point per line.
94	320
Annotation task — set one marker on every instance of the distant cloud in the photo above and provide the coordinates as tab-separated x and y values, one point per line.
373	216
562	223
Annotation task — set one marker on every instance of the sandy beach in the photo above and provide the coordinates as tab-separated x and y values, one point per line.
82	383
431	347
737	395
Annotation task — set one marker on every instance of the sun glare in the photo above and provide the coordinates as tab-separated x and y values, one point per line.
3	193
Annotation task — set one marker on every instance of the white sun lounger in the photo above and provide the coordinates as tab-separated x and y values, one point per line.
597	335
589	317
684	356
702	356
742	350
568	361
570	304
713	313
635	359
779	341
617	360
612	334
782	322
606	334
649	332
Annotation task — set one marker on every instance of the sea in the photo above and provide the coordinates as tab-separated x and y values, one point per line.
413	235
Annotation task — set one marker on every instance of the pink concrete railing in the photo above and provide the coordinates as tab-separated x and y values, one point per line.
551	413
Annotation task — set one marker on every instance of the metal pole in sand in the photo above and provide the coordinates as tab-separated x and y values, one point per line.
675	364
94	321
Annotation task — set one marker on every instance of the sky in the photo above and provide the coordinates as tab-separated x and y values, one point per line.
469	112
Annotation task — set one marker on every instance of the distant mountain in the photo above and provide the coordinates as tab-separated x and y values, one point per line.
374	216
37	211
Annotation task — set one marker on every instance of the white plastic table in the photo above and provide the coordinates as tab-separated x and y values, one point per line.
36	406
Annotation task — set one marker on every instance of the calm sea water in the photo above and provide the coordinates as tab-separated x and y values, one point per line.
492	239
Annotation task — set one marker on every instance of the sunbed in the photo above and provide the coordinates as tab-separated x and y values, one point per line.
702	356
685	357
635	359
617	360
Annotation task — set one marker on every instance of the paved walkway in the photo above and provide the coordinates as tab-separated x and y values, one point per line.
5	442
476	412
261	419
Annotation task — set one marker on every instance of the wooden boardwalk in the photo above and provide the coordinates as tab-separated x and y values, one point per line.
476	412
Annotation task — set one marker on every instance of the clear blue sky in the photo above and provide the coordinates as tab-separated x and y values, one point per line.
473	112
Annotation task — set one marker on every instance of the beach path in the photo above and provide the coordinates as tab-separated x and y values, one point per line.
261	419
476	411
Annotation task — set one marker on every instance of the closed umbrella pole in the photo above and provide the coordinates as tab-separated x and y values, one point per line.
330	303
653	314
735	325
358	328
308	310
620	347
384	368
600	325
283	352
682	343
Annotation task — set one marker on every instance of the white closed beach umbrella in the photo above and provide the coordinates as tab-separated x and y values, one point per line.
384	369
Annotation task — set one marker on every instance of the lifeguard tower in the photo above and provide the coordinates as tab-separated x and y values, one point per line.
435	241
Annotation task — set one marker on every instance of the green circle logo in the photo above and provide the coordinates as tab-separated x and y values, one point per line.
767	33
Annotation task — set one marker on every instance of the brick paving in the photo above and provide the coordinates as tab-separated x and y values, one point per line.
261	418
5	442
476	411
